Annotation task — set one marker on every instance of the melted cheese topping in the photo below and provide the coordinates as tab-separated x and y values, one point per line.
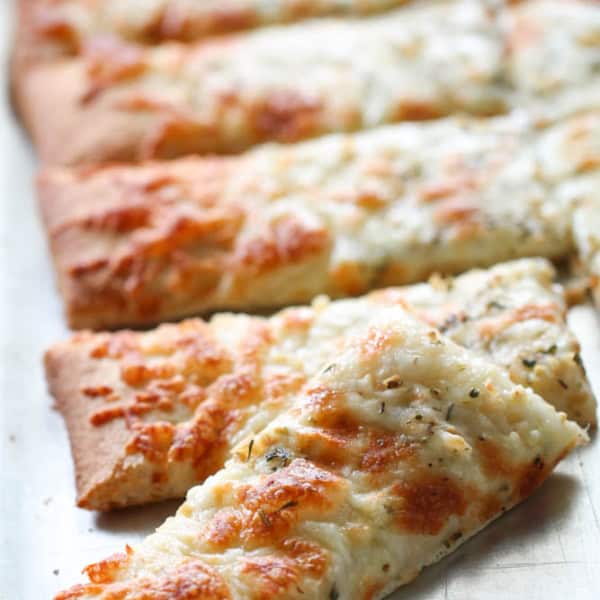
388	458
183	395
420	62
290	83
70	22
339	216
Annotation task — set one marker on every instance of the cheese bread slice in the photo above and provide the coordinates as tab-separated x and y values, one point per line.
553	48
63	26
151	414
278	225
389	458
122	101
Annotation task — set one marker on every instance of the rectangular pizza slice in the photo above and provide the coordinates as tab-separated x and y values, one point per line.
136	245
121	101
387	459
59	27
151	414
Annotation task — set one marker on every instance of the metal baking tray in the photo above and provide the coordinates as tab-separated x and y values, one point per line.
548	548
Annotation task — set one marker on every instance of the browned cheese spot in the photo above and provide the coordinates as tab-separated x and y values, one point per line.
426	503
190	580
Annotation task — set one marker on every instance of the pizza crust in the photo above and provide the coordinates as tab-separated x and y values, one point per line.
359	484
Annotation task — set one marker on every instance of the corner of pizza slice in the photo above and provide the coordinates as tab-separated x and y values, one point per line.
151	414
390	457
586	230
516	316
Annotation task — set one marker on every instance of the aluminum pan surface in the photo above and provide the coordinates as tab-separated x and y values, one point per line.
546	549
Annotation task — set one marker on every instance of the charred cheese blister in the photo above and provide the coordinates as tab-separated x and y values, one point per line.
151	414
359	484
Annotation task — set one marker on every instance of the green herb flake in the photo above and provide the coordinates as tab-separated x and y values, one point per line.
474	393
264	518
579	362
453	539
250	445
280	453
529	362
496	304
